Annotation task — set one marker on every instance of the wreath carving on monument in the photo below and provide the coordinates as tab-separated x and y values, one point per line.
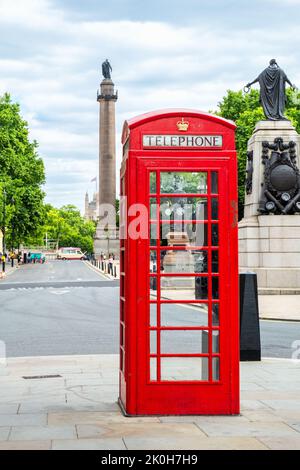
281	187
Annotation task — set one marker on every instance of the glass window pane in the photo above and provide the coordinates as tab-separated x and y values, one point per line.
214	208
153	182
183	261
201	287
122	309
183	182
184	342
122	336
184	368
153	314
153	342
215	342
153	287
153	234
216	368
153	261
184	314
215	261
183	208
183	234
184	288
214	182
153	208
153	367
215	287
214	234
215	315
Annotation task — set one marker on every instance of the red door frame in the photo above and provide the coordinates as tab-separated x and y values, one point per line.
138	396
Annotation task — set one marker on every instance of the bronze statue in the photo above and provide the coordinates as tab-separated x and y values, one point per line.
272	82
106	69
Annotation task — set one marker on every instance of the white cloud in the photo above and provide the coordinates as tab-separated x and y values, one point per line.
51	65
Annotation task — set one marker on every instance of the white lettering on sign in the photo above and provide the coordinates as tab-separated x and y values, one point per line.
182	140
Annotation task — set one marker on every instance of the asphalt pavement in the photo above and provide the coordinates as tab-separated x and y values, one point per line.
66	307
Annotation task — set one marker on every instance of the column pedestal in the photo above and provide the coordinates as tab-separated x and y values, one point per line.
269	245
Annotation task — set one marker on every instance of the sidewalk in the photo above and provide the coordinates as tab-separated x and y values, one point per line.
96	265
8	270
78	409
279	307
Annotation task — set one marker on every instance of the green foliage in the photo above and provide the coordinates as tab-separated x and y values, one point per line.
68	228
21	176
245	110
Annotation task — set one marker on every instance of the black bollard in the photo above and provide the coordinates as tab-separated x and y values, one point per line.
250	348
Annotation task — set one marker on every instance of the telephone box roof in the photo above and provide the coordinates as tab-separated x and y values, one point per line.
165	113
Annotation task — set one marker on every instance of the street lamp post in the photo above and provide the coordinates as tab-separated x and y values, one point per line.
4	230
4	221
12	238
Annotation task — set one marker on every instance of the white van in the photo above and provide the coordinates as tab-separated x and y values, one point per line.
70	253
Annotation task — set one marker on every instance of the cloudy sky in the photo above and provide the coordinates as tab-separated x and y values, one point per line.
164	54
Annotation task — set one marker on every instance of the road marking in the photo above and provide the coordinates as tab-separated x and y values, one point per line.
58	292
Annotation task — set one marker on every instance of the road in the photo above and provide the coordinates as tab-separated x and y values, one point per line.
57	308
65	307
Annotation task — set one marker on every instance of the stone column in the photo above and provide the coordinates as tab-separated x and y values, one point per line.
106	241
107	143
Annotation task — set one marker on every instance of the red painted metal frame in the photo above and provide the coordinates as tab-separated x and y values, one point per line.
138	394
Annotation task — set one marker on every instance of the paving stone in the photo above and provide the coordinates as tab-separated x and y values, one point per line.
4	433
251	429
89	444
281	443
9	408
295	425
23	420
73	405
264	416
25	445
253	405
287	415
249	386
203	419
270	395
112	430
193	443
33	433
101	418
287	404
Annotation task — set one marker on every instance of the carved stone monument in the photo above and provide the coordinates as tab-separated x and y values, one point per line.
269	233
106	240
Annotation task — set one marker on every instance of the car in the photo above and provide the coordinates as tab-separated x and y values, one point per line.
68	253
37	258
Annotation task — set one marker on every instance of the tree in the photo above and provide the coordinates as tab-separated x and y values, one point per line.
67	227
245	110
22	175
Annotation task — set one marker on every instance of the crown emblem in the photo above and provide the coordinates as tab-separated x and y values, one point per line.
183	125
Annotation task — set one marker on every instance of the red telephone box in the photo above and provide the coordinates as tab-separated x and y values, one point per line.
179	326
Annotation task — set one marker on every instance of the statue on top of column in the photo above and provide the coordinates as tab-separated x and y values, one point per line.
272	82
106	69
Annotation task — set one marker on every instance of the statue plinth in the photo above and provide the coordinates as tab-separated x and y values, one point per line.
265	131
269	242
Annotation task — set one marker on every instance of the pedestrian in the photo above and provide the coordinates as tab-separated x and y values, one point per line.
110	264
12	257
3	259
